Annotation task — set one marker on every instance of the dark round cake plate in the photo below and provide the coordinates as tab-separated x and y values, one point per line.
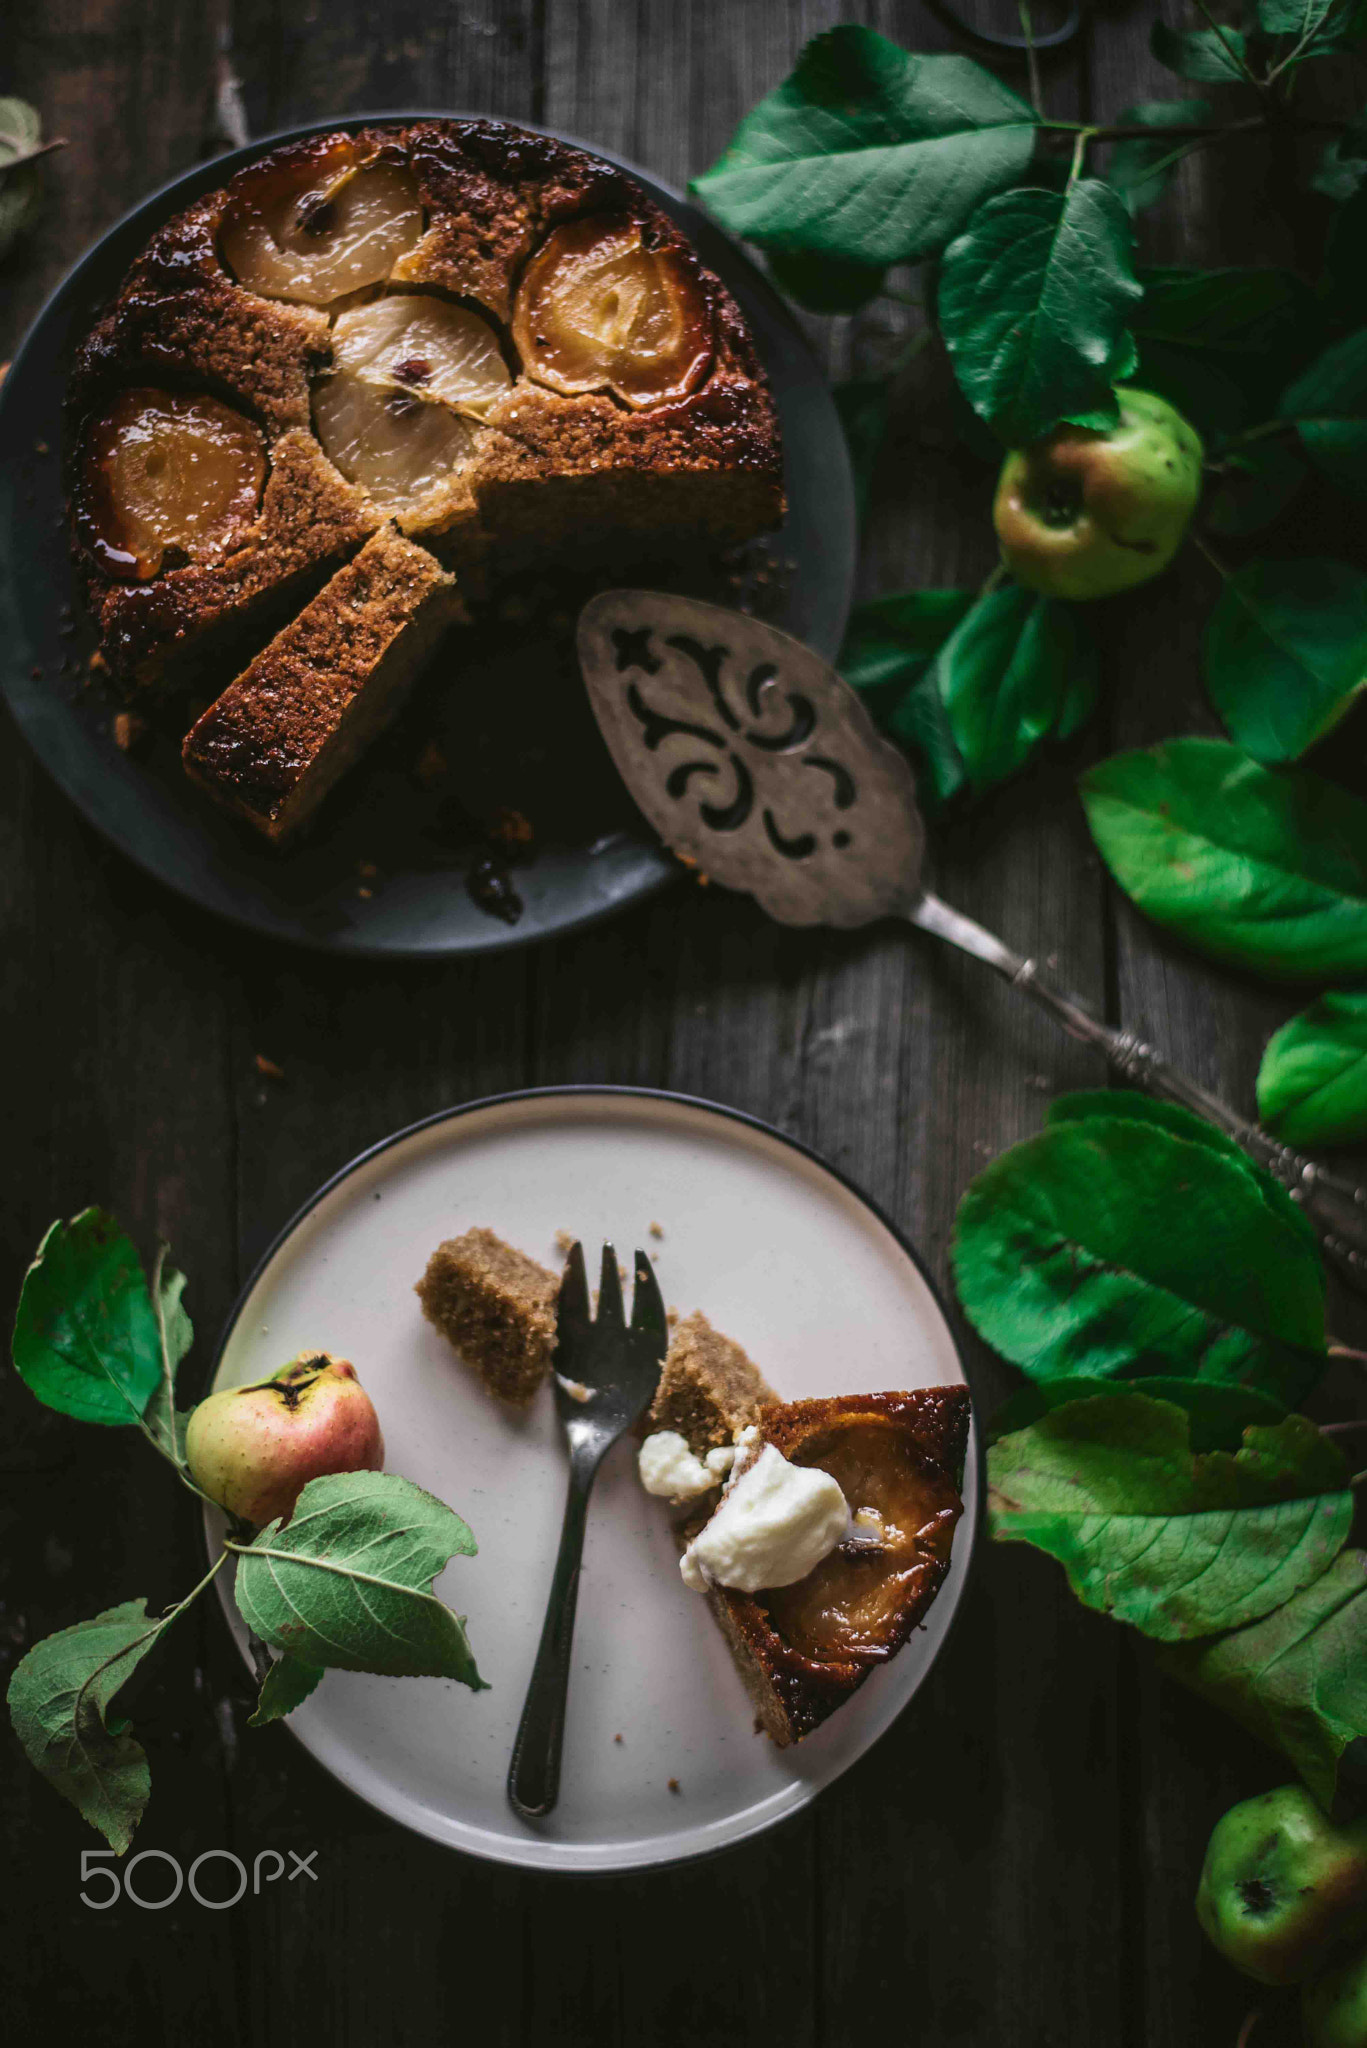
386	871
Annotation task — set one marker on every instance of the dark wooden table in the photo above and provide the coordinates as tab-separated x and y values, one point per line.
1013	1866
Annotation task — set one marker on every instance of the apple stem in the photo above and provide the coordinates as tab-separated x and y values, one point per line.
1031	56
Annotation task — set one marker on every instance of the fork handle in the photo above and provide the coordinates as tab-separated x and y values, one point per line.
534	1773
1335	1206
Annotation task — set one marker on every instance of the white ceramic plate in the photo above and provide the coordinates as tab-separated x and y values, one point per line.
780	1254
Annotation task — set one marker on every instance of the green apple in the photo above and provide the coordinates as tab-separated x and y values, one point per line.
1334	2006
1083	514
253	1449
1282	1885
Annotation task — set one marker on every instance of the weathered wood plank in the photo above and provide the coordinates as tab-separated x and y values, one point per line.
116	1053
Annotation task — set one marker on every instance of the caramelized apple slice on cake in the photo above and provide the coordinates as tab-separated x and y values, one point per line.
597	310
804	1649
312	238
166	473
425	346
399	448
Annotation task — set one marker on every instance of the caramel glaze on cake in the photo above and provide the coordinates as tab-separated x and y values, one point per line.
541	470
278	738
803	1650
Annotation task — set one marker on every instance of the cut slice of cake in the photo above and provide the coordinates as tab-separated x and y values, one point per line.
497	1307
804	1649
212	597
709	1389
273	745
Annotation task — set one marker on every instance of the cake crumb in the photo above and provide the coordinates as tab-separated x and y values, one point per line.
364	892
564	1243
510	830
616	1738
431	767
129	731
496	1307
708	1387
656	1231
674	1785
367	870
269	1068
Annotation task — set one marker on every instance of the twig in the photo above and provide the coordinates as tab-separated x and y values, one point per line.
1085	135
1246	2030
1343	1428
28	156
1136	131
1031	57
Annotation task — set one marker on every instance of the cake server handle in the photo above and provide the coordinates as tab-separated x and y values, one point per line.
1336	1206
534	1773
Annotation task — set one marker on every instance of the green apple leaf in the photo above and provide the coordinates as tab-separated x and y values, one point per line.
1209	56
1341	172
347	1582
1218	1412
863	404
890	642
1083	1105
1017	670
1345	274
59	1700
1086	1105
1176	1542
1329	405
1316	28
1267	870
1221	344
1312	1085
1033	304
824	283
164	1422
286	1685
1141	171
889	647
1112	1247
1286	653
1297	1679
86	1337
869	153
920	724
1258	484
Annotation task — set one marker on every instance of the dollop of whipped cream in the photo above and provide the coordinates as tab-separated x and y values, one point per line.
670	1470
774	1523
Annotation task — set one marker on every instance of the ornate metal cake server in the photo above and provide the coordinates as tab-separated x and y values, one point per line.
756	763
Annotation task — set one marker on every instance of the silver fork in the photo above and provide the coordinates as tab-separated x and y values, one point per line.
606	1372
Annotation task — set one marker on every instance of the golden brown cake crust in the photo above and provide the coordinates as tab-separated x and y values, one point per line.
497	1307
794	1692
709	1388
263	745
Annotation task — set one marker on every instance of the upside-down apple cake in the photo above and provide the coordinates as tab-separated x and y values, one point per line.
477	338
